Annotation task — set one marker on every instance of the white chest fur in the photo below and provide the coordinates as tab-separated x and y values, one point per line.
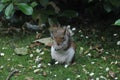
63	56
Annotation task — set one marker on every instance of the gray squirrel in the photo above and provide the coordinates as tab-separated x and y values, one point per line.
63	48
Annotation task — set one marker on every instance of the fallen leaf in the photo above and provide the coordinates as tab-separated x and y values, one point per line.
47	41
34	44
44	73
29	78
21	51
112	74
38	35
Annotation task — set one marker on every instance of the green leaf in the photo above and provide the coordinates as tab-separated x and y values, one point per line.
9	10
4	1
107	7
33	4
25	8
44	2
69	13
115	3
117	22
1	7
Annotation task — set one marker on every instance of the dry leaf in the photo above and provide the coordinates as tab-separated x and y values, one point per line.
21	51
47	41
34	44
38	35
29	78
112	74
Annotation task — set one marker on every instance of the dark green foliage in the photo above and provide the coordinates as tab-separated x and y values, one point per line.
41	10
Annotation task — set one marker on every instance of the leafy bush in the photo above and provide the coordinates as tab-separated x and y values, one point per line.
41	10
10	6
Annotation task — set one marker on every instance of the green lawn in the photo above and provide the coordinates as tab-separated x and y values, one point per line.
88	66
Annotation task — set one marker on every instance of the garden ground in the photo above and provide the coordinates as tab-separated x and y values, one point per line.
97	57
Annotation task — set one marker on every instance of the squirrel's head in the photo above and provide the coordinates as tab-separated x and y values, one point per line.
61	37
59	34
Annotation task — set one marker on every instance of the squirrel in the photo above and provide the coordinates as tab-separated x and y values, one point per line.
63	48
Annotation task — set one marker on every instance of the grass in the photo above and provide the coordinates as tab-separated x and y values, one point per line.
87	67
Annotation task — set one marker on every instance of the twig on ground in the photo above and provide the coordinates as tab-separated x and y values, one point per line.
12	73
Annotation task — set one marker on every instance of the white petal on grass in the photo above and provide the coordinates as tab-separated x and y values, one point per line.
34	66
115	34
38	50
116	62
68	79
107	52
86	37
103	77
49	64
36	70
80	31
97	78
56	62
31	55
42	53
55	75
78	76
39	65
92	62
1	67
118	43
116	78
81	35
73	29
89	54
8	59
3	48
2	54
107	69
66	66
86	72
68	26
91	74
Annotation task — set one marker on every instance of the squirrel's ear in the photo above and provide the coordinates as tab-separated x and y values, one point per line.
66	31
